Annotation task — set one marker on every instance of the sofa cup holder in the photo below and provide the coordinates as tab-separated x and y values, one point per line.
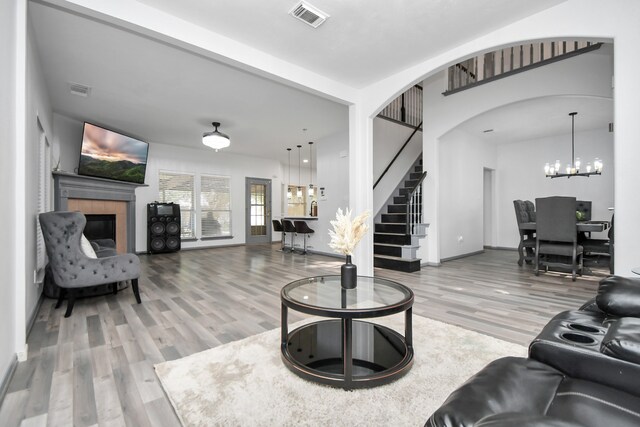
577	338
584	328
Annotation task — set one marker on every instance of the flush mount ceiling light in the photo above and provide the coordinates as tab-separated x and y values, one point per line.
308	14
216	139
573	168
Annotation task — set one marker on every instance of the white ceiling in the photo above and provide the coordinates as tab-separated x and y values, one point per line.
539	118
363	41
162	93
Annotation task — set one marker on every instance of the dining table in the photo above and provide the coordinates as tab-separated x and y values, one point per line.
582	226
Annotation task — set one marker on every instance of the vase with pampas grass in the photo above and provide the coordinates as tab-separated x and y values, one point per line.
345	236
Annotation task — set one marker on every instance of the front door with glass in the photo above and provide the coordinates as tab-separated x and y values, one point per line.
258	218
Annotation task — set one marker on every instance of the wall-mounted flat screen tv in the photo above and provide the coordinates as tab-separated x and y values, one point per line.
112	155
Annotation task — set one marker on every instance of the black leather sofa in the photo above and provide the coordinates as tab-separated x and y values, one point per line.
583	369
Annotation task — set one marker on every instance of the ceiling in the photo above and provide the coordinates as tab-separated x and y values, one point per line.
539	118
363	41
161	93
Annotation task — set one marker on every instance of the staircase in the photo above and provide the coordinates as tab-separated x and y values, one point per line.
393	248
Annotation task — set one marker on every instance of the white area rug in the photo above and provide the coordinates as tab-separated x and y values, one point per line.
245	383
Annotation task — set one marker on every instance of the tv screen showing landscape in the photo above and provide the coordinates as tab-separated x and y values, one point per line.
112	155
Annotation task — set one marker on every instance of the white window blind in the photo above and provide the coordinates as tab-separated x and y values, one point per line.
215	206
179	188
44	203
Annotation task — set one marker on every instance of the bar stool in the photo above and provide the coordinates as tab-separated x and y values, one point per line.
303	228
277	226
289	228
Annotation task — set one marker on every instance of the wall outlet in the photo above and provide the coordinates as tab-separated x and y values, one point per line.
23	355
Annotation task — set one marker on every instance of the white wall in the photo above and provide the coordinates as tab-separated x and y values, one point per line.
462	162
442	114
8	172
38	108
67	140
163	157
388	137
591	19
333	175
521	176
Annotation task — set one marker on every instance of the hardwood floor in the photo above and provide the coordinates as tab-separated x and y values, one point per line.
96	367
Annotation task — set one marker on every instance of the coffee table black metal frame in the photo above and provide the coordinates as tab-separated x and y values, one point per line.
341	322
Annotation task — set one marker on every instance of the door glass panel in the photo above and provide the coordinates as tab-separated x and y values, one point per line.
258	210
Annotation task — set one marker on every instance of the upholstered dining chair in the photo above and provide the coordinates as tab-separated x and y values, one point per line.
525	213
71	268
599	247
557	234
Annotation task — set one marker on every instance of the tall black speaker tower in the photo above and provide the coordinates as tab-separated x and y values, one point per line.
163	227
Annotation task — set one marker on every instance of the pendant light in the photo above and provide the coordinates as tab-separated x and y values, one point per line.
299	192
289	194
216	139
310	171
573	168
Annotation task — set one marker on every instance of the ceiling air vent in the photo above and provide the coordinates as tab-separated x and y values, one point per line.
308	14
79	89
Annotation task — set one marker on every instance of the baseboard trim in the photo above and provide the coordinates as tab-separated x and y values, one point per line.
501	248
431	264
34	314
461	256
6	379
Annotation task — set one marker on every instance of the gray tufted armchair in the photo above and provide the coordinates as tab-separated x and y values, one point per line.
71	268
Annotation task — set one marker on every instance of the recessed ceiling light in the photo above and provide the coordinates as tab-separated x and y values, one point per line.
305	160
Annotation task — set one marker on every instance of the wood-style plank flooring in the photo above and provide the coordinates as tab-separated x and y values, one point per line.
96	367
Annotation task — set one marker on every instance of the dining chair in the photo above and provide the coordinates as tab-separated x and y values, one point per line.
527	237
557	235
601	247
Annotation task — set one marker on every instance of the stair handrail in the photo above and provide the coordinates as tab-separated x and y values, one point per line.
415	130
410	196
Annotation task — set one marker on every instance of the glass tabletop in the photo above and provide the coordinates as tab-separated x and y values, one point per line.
326	293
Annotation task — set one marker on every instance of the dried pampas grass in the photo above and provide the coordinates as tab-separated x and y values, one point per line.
347	233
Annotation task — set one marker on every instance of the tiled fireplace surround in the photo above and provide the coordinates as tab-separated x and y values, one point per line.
100	196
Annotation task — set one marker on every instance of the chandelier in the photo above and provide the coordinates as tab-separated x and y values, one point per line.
573	168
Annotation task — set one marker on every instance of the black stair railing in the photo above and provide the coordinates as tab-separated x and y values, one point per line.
501	63
416	129
406	109
414	205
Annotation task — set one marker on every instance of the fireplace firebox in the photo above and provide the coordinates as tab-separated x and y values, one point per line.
100	227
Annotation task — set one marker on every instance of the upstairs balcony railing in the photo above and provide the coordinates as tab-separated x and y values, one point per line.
504	62
405	109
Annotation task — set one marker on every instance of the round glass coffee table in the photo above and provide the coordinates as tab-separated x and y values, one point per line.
341	351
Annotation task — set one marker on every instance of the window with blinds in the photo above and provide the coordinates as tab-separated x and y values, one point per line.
44	198
215	206
179	188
